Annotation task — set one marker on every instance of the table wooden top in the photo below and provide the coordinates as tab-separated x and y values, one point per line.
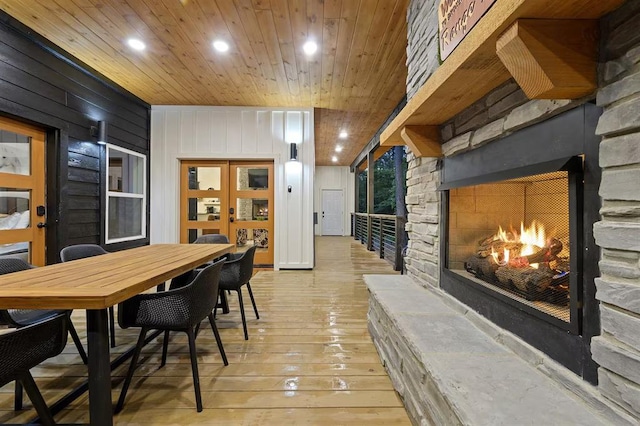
102	281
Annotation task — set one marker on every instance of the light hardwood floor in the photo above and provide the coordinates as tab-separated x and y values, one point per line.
309	358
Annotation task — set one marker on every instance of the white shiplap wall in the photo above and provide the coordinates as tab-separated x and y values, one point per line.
334	177
232	133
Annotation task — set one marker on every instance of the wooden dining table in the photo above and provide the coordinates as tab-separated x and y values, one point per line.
95	284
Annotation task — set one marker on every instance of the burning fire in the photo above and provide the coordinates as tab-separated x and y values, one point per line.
532	239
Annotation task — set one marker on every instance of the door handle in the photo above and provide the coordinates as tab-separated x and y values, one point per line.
42	225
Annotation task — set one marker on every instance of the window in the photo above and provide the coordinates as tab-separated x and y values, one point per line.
126	195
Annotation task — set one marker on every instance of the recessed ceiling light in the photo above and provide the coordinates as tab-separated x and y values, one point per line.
136	44
220	45
343	134
310	47
334	159
338	148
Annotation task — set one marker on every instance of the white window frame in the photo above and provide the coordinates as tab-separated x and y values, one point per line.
116	194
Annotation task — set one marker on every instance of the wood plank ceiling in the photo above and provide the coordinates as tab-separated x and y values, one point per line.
354	81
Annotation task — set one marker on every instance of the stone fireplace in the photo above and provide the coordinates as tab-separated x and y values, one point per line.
572	166
515	246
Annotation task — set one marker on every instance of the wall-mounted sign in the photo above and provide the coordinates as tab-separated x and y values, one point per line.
456	18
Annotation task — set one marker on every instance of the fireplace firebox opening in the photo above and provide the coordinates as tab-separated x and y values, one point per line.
513	237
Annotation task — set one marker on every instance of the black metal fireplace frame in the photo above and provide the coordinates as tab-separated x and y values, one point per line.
567	141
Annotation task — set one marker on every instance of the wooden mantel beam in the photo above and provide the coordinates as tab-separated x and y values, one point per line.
474	68
551	58
424	141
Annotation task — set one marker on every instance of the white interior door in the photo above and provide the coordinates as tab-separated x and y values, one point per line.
332	212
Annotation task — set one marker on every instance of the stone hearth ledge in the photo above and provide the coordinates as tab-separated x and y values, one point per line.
452	366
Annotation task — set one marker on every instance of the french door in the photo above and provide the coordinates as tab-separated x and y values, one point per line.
234	198
22	192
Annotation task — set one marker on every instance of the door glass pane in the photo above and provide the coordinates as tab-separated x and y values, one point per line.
252	209
207	208
14	214
204	178
252	178
15	250
14	209
15	153
126	172
249	237
125	217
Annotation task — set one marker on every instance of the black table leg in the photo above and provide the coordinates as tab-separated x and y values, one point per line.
100	406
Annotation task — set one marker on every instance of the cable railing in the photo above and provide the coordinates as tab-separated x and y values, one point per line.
380	233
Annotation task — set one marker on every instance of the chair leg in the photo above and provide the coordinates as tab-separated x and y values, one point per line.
112	326
244	320
253	302
194	368
36	399
76	340
214	328
165	346
17	397
132	368
197	330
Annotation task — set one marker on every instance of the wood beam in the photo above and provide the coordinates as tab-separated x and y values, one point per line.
424	141
551	58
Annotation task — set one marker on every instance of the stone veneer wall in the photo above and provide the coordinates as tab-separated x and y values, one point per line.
422	44
617	350
506	110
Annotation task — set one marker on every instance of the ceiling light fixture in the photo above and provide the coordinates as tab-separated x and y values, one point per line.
136	44
310	47
338	148
334	159
343	134
220	45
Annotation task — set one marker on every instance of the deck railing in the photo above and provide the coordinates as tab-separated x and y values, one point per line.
380	233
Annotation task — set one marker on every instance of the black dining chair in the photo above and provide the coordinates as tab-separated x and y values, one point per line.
236	272
188	276
18	318
81	251
24	348
180	309
212	239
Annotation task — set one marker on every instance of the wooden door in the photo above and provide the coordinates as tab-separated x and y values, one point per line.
22	192
204	198
251	214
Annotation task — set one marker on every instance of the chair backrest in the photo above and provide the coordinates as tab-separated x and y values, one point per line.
80	251
246	265
239	270
26	347
203	292
212	239
8	266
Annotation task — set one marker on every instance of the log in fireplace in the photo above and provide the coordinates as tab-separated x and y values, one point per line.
518	244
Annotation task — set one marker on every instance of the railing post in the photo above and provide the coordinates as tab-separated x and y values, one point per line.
369	233
353	225
399	230
381	240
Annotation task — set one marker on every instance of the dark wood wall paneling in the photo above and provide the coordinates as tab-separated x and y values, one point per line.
43	85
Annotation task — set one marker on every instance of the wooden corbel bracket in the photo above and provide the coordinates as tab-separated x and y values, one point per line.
551	58
424	141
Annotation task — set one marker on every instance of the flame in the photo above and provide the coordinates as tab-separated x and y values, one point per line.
532	239
500	260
